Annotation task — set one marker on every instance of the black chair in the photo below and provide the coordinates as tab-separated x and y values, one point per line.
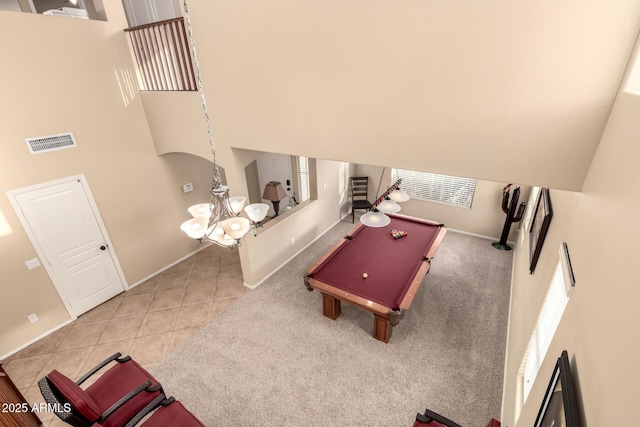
433	419
359	195
165	411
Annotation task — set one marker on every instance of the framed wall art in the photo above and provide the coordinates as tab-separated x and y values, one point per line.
559	407
539	227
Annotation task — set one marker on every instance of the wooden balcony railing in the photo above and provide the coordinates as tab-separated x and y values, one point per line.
163	56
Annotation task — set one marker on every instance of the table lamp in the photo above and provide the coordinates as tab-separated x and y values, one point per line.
274	192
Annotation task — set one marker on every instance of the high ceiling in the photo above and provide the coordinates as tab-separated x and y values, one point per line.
515	91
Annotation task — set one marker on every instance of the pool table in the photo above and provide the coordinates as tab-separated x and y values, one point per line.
371	269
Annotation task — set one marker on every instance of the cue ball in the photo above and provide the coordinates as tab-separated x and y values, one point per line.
365	275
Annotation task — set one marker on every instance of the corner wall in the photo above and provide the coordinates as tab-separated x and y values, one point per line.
60	75
485	218
274	245
597	329
483	90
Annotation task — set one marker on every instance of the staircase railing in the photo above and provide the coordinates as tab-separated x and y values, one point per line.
163	56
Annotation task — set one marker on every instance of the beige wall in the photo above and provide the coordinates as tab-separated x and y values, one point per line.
282	238
64	75
598	326
485	218
187	135
493	90
501	97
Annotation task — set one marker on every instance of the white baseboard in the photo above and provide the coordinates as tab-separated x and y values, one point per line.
168	266
293	256
333	225
495	239
38	338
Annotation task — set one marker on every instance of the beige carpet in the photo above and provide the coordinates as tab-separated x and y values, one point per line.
272	359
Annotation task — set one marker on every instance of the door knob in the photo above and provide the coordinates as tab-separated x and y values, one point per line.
103	247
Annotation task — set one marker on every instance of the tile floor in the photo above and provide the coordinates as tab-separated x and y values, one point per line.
147	322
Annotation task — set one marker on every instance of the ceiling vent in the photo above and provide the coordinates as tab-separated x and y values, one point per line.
43	144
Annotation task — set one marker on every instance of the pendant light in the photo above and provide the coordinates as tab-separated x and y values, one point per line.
219	220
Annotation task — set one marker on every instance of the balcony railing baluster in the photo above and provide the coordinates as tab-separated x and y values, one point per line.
162	56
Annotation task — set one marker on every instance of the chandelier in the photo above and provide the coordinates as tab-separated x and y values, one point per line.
218	221
386	203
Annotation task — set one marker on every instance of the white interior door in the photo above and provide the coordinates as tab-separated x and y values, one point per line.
64	225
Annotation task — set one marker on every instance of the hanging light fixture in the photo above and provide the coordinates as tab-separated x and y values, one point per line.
398	195
219	220
389	206
377	217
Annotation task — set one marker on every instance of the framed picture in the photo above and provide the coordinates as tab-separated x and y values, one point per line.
559	407
531	207
539	227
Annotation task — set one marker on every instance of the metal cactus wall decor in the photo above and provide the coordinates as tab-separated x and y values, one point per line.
512	215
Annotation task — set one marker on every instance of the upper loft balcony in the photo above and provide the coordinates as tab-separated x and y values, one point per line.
79	9
163	57
168	81
510	102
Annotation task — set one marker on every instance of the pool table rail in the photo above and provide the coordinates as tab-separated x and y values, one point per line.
415	285
391	312
332	251
340	294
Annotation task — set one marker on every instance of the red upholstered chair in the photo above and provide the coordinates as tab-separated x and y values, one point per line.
164	412
117	396
432	419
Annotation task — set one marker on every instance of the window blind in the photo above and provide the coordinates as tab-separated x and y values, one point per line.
445	189
303	178
552	309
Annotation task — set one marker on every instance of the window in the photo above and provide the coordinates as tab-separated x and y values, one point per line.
303	178
548	320
344	182
444	189
632	79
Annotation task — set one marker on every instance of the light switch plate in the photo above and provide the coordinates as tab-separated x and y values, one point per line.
32	263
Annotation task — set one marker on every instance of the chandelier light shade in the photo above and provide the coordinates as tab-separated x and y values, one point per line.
236	204
384	204
202	210
219	220
235	228
257	211
196	228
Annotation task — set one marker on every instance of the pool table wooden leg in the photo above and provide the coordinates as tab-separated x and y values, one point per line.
381	328
330	306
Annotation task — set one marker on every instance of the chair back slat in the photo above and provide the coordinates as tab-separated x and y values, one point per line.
359	189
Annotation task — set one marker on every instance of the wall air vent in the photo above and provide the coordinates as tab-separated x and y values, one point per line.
42	144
